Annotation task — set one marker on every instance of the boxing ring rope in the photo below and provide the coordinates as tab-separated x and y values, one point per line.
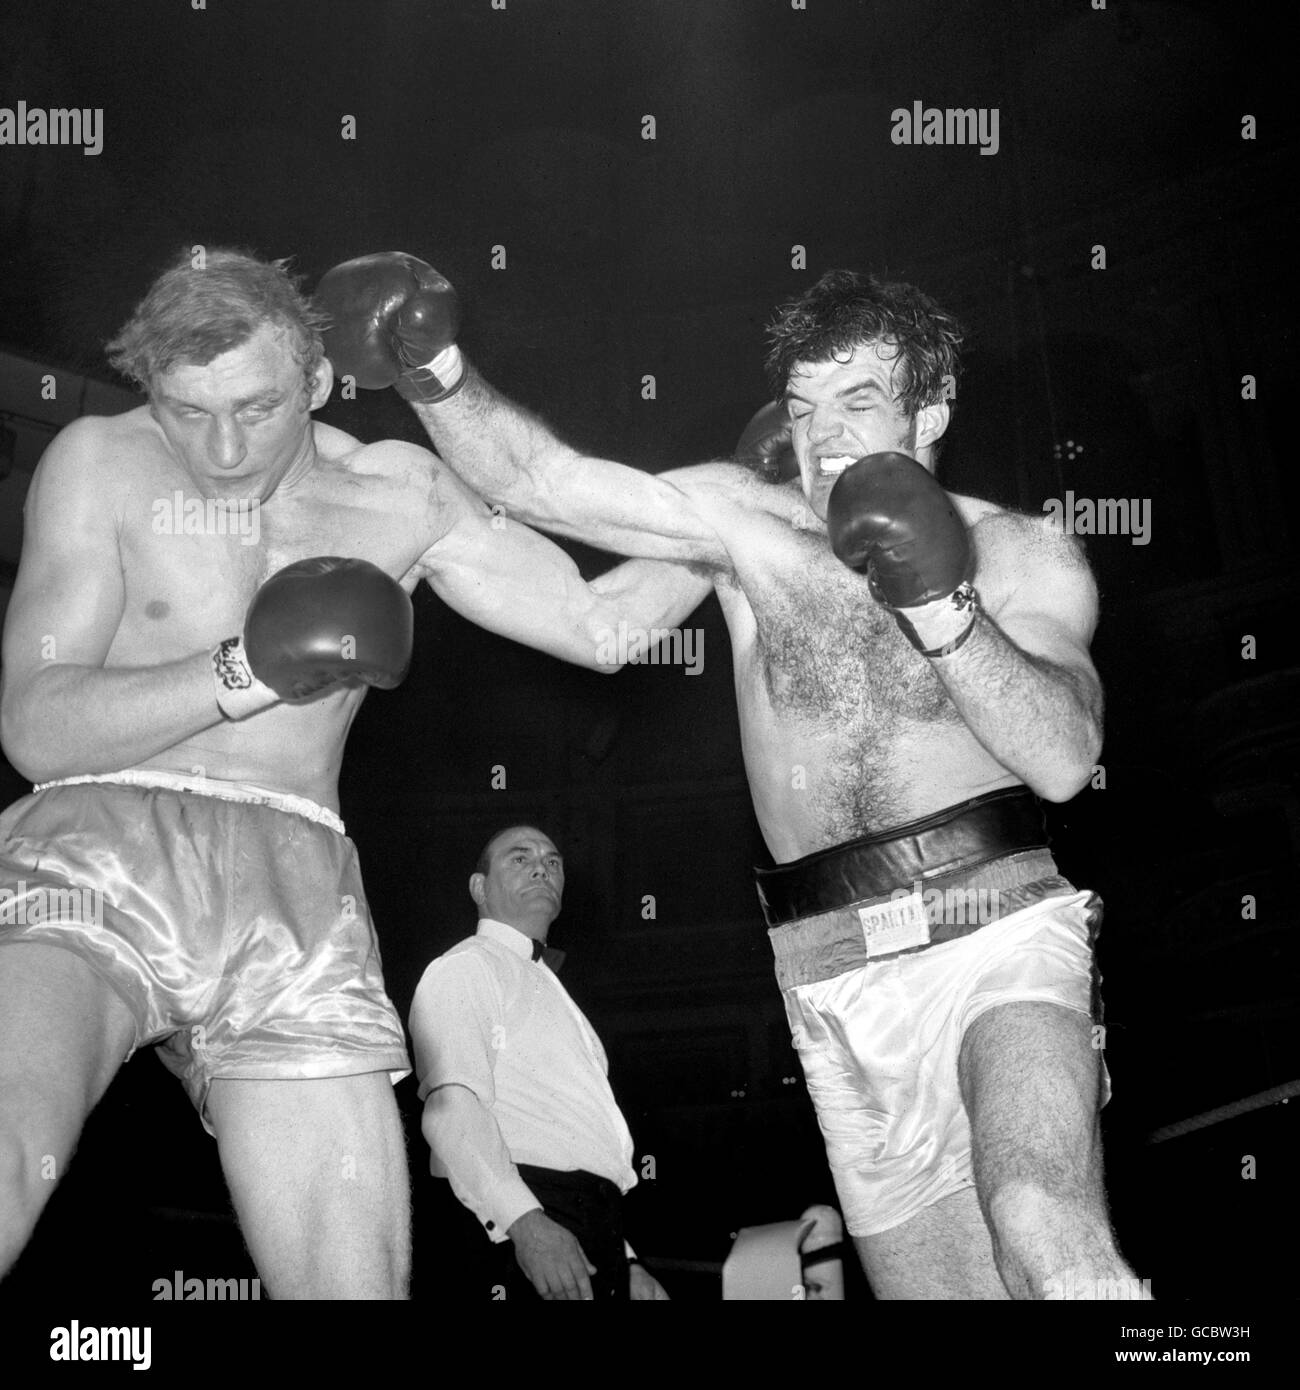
1275	1095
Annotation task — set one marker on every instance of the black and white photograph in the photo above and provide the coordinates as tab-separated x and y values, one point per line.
649	654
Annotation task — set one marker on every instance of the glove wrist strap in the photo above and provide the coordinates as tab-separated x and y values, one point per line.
940	627
435	381
239	692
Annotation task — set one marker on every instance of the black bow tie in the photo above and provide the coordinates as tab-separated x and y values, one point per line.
538	948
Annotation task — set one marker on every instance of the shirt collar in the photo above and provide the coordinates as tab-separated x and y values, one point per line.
510	937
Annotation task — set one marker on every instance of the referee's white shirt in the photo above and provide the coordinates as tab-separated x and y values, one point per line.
488	1017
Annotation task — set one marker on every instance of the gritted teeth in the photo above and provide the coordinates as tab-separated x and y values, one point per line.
834	465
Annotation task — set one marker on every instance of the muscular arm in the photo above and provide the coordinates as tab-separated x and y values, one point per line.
62	712
510	457
517	583
1023	680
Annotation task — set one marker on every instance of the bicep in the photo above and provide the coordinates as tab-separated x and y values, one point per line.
1051	612
655	593
69	593
511	581
627	511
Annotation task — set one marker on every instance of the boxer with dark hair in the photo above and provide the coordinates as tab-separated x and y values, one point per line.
208	585
912	673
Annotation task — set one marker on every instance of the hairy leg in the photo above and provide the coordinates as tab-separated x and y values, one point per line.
944	1251
318	1174
1029	1078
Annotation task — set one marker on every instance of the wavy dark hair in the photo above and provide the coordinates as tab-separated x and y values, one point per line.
193	312
846	309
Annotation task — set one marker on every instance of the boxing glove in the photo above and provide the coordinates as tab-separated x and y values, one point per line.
765	446
889	519
311	625
393	322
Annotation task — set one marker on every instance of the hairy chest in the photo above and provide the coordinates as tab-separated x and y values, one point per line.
825	653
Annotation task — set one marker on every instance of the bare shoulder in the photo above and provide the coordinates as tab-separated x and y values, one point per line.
1015	537
90	437
391	458
400	478
1021	555
97	455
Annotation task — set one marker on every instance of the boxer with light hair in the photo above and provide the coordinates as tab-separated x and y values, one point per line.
182	696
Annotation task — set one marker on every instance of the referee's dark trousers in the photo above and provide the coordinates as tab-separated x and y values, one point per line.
590	1207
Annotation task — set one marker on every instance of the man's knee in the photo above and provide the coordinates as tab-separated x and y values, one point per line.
1049	1232
1028	1205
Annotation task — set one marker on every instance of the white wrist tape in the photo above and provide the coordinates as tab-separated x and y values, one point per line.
239	692
938	628
436	380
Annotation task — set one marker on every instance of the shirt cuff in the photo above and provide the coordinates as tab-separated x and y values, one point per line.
505	1204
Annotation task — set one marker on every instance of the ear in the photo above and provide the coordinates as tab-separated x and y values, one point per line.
477	883
931	422
322	384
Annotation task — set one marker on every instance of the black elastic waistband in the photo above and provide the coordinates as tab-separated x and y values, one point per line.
958	837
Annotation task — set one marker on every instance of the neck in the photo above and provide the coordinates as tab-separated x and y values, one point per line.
301	466
534	931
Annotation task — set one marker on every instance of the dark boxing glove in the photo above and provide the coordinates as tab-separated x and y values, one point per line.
766	446
311	625
393	322
889	519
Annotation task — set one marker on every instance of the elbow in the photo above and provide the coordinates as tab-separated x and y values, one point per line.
21	745
429	1125
1066	780
602	648
1059	790
34	758
516	494
440	1108
432	1119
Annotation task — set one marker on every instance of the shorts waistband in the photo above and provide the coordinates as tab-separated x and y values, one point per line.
928	913
245	793
954	840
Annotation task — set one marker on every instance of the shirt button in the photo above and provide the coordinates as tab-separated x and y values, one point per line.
491	1225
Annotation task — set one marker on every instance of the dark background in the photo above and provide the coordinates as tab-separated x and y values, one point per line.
625	257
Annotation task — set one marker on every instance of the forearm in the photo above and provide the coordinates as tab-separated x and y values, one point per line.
63	721
467	1145
1038	719
494	445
